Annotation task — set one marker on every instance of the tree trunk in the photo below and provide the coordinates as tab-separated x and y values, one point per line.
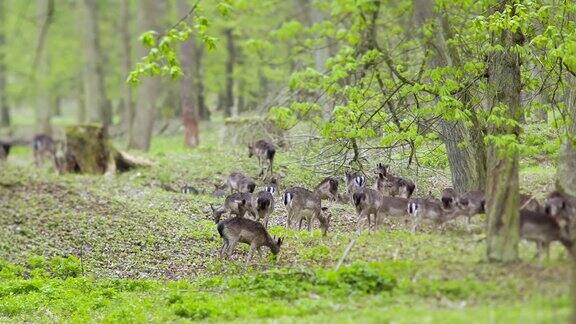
230	62
146	103
97	105
468	162
566	172
188	90
43	109
502	203
199	80
126	40
4	109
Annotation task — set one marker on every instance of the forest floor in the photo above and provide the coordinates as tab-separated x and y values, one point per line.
127	248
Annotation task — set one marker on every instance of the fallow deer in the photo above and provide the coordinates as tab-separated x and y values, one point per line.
264	151
304	204
242	230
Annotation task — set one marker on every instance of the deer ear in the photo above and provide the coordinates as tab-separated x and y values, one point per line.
324	208
212	207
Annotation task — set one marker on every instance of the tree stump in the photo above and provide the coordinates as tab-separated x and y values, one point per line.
88	150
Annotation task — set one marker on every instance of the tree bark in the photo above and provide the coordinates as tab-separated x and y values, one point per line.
126	40
43	102
566	173
467	161
188	89
230	62
502	203
146	103
199	80
4	108
97	104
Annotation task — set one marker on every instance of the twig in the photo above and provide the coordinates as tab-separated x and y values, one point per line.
346	252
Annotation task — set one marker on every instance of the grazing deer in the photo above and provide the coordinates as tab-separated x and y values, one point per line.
328	188
449	197
240	182
236	204
305	204
263	205
354	182
542	229
43	147
420	209
220	190
4	150
367	202
264	151
390	185
243	230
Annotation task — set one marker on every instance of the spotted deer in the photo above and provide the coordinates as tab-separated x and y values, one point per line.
423	209
239	182
354	182
243	230
235	204
263	206
367	203
390	185
538	227
304	204
264	152
328	188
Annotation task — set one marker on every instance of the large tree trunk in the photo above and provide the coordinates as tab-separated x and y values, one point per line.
502	203
468	162
43	102
188	90
126	40
145	114
566	173
96	102
230	62
4	109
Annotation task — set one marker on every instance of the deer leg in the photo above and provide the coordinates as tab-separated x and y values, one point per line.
266	218
250	253
231	247
289	219
415	221
300	223
223	249
309	219
259	250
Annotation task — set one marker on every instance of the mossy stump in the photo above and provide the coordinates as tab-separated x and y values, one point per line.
89	151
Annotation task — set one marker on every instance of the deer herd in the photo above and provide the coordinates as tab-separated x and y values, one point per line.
390	197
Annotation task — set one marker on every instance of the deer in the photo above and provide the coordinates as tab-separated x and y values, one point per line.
237	204
239	182
354	181
219	190
328	188
272	186
43	147
188	189
367	202
558	206
420	209
541	228
529	202
264	151
263	205
448	198
237	229
306	205
390	185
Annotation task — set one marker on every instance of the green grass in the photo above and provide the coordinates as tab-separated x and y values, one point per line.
124	249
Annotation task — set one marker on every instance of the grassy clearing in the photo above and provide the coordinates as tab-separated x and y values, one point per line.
126	249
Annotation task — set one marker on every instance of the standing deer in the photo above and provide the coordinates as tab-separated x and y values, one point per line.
43	147
263	206
542	229
264	151
354	182
328	188
367	202
305	205
422	209
239	182
390	185
449	197
243	230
